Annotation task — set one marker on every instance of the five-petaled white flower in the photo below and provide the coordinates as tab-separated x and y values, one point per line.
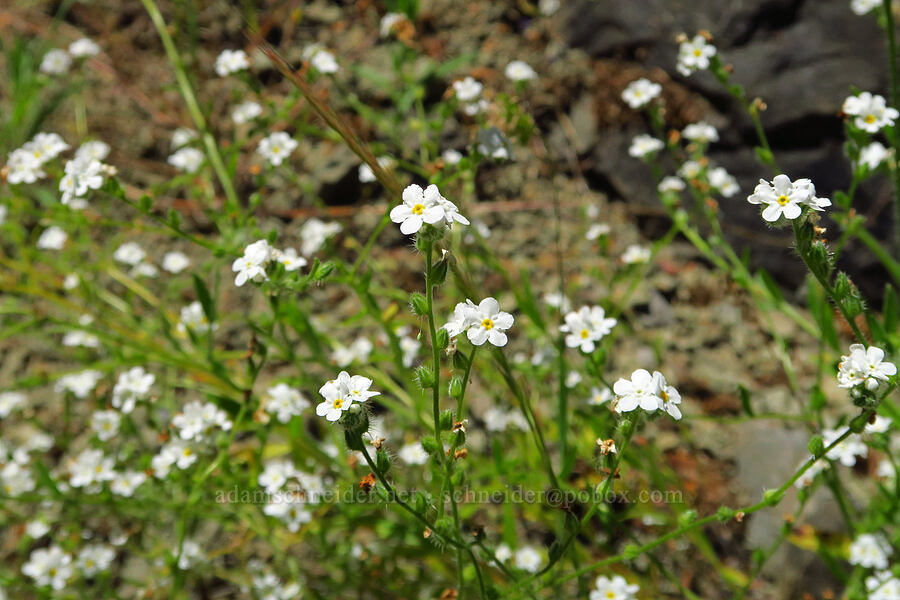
701	132
467	90
616	588
864	365
585	327
245	112
49	566
56	62
870	550
644	144
252	265
642	391
231	61
284	401
782	197
340	393
186	159
482	323
518	70
694	55
669	396
871	111
84	47
277	147
873	155
640	92
419	207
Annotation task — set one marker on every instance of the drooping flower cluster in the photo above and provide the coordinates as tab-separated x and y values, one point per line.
341	393
871	111
694	55
649	392
484	322
425	206
784	198
864	366
640	92
586	327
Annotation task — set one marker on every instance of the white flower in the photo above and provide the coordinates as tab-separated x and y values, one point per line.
340	393
83	47
883	586
276	475
89	468
81	174
193	318
518	70
231	61
36	529
10	401
492	143
669	396
197	420
129	253
871	112
289	509
419	207
252	265
175	262
694	55
314	234
367	175
599	396
528	559
691	169
467	90
864	365
125	483
586	327
488	323
847	450
701	132
873	155
3	211
183	136
723	181
880	425
92	150
187	160
15	479
358	351
388	21
56	62
558	301
870	551
191	554
413	454
809	475
644	144
23	167
49	566
79	384
670	183
635	254
597	230
782	198
548	7
451	156
886	469
71	281
46	146
473	108
132	385
503	553
573	378
277	147
284	401
81	338
640	92
94	558
410	348
53	238
616	588
245	112
642	391
497	419
861	7
322	60
105	424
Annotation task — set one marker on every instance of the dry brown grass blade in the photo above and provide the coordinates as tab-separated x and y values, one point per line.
384	176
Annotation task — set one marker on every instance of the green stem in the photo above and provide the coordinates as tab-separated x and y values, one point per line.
435	353
184	84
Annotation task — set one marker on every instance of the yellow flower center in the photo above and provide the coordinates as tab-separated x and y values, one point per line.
187	452
664	395
418	209
870	119
276	149
697	52
487	324
782	200
585	334
338	402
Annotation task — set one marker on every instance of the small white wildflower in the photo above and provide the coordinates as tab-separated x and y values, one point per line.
809	475
723	181
90	468
322	60
599	396
183	136
635	254
573	378
487	323
367	175
518	70
879	425
277	147
870	551
10	401
861	7
691	169
129	253
503	553
451	156
53	238
467	90
340	393
92	150
284	401
413	454
694	55
871	111
193	318
528	559
315	233
670	183
559	301
78	384
864	365
95	558
125	483
419	207
290	509
245	112
358	351
597	230
49	566
84	47
640	92
701	132
132	385
586	327
641	391
56	62
847	450
175	262
105	424
670	397
388	21
290	259
36	529
15	479
276	475
187	159
252	265
191	554
781	197
231	61
873	155
616	588
644	144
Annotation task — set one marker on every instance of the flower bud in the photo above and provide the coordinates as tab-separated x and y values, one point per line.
446	420
425	376
429	444
455	387
816	446
418	304
439	272
842	286
458	478
441	339
382	462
